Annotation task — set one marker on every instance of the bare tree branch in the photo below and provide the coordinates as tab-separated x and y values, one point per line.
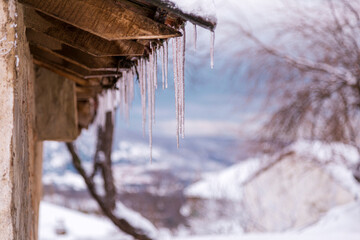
122	224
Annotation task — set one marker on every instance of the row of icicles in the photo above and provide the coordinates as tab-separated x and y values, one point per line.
123	94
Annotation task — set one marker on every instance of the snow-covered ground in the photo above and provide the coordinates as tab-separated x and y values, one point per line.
338	224
57	222
74	225
341	223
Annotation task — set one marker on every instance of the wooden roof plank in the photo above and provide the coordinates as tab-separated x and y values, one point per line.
103	18
61	72
62	64
80	39
73	55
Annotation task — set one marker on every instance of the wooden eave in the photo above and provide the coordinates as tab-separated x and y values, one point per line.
91	42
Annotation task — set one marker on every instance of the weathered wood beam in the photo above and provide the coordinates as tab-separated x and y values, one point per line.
78	38
75	69
55	107
103	18
74	55
61	72
137	7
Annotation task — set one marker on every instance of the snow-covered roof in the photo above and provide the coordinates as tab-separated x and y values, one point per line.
199	12
337	158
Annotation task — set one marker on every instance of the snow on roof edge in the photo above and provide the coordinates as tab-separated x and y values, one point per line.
198	12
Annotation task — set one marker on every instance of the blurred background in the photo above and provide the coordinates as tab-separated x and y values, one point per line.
271	148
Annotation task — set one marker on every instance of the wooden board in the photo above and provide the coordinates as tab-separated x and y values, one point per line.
48	57
55	104
103	18
78	38
74	55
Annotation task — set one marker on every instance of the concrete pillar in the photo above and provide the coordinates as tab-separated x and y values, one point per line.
17	143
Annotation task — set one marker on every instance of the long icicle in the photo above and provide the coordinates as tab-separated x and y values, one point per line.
212	44
195	37
149	91
162	51
154	79
166	62
142	93
176	89
179	82
155	65
183	82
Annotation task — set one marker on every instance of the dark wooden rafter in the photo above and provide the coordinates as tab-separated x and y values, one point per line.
74	55
78	38
62	64
138	7
103	18
61	71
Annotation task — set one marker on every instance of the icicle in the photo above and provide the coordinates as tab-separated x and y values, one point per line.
174	42
166	63
154	59
212	43
117	93
162	50
183	83
150	85
179	81
142	92
195	36
153	82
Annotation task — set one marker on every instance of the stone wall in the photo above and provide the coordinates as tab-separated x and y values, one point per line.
18	148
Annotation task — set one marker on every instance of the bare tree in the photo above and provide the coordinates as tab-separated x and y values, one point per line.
309	59
102	164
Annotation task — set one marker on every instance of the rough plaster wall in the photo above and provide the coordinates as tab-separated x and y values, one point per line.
16	124
36	185
292	194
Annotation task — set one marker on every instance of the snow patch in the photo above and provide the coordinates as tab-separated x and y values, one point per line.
202	8
136	220
74	225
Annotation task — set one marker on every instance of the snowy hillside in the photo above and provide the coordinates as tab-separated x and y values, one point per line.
338	224
290	189
337	159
